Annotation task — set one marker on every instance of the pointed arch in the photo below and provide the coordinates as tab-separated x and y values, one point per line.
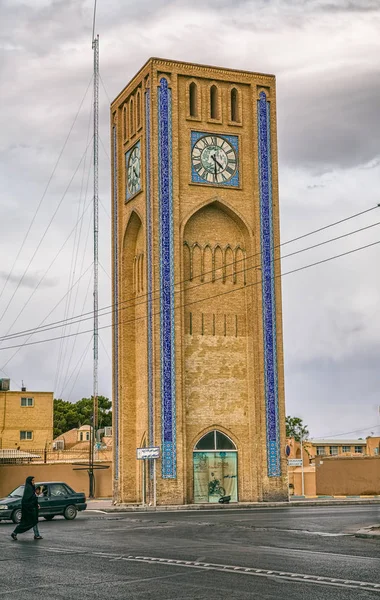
187	271
196	261
218	267
229	210
207	263
229	263
132	116
138	109
193	99
240	267
214	102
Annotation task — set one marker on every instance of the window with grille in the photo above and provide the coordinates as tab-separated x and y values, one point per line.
358	449
333	450
320	450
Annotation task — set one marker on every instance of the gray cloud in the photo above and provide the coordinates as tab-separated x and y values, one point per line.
331	120
30	280
325	56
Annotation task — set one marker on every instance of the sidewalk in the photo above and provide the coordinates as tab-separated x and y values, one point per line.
106	504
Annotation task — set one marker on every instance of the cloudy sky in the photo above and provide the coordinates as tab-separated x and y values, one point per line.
325	54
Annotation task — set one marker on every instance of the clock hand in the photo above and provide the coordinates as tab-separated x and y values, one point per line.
214	159
135	172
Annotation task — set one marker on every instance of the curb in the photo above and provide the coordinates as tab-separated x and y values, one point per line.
251	505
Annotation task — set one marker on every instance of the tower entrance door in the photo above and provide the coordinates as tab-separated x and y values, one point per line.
215	463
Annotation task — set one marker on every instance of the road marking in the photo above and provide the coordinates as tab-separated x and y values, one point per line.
209	566
301	577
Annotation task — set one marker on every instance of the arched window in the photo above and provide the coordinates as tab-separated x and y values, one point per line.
81	436
138	108
131	117
88	436
214	108
214	441
125	122
193	100
234	105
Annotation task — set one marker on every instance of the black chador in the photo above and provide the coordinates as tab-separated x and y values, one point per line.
29	508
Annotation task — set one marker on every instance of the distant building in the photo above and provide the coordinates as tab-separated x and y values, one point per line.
75	444
26	419
332	447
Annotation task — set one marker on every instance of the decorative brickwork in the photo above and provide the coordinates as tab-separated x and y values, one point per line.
168	390
268	293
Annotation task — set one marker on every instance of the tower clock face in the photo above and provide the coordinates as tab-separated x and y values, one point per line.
214	159
134	171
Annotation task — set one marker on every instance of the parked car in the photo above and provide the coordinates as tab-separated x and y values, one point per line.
57	498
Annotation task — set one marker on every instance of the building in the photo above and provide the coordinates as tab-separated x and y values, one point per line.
26	419
332	447
198	359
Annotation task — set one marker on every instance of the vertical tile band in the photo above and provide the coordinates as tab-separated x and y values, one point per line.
268	289
167	341
115	403
149	268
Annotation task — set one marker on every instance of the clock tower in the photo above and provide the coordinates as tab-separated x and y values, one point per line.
197	329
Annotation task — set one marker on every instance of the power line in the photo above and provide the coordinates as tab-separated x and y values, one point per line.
79	318
47	316
42	278
46	189
211	297
43	236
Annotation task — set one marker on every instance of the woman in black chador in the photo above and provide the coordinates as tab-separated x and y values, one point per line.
29	511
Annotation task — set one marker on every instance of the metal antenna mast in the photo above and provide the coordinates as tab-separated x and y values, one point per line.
95	47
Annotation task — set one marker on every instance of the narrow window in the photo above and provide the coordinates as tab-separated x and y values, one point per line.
214	112
193	100
234	105
131	117
138	109
125	120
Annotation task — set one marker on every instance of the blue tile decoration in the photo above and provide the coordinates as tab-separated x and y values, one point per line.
149	270
268	291
128	194
168	391
234	141
115	402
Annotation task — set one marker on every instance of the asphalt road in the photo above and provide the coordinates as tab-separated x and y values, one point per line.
289	553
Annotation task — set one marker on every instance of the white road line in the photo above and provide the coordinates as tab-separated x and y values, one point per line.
208	566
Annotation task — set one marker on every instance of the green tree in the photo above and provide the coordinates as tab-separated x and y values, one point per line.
296	429
68	415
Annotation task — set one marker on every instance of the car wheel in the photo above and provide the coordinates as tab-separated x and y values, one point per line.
70	512
49	517
16	516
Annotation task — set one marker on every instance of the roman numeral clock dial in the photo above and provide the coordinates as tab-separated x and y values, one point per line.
214	160
133	166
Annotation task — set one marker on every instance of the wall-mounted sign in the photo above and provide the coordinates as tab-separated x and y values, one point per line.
146	453
295	462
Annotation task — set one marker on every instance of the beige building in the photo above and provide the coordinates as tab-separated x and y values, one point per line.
26	419
198	358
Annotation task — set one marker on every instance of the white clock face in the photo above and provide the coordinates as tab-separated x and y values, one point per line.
214	159
134	171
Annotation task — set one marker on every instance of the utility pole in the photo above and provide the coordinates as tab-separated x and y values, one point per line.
95	47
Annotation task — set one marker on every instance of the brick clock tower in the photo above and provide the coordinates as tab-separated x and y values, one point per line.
198	359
